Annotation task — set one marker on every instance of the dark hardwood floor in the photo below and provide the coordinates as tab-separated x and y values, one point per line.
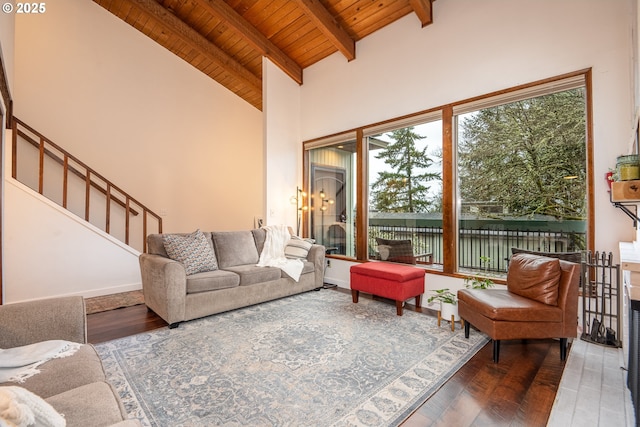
110	325
519	390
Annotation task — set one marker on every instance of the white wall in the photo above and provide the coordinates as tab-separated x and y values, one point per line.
474	48
283	150
157	127
66	256
7	27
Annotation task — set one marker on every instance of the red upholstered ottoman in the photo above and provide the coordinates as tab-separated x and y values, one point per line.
388	280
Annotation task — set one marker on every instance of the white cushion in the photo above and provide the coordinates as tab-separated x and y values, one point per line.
298	248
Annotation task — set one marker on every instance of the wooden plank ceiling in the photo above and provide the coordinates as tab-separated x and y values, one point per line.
227	40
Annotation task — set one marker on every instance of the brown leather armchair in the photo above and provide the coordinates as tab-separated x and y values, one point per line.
541	301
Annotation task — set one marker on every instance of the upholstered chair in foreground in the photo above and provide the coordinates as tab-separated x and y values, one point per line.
74	385
541	301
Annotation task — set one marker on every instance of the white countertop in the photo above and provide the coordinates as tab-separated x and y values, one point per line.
630	261
629	252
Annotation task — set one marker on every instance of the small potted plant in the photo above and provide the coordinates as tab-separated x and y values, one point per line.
443	296
448	305
475	282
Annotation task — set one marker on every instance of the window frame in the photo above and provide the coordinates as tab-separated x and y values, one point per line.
450	199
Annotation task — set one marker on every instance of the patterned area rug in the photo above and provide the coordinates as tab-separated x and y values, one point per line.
113	301
314	359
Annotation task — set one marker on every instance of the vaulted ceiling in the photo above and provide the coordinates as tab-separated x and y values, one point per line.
227	40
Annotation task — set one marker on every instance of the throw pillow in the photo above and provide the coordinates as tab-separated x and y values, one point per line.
384	251
399	250
298	248
534	277
20	407
191	250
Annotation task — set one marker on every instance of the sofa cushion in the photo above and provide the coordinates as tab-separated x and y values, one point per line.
59	375
500	304
155	243
308	267
94	405
193	251
298	248
235	248
259	235
250	274
211	281
534	277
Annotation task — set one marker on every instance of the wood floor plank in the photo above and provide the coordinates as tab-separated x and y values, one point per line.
538	401
110	325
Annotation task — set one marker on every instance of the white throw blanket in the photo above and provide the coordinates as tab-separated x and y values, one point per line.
21	408
273	252
19	363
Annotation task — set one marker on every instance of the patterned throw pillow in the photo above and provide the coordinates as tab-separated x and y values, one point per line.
191	250
298	248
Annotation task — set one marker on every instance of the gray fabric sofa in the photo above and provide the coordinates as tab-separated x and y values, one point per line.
238	282
76	385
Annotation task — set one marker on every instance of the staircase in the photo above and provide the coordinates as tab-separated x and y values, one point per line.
45	167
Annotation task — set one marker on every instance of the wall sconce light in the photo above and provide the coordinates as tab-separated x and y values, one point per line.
301	206
323	207
325	201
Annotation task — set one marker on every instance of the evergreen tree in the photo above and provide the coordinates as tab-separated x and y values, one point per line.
527	157
404	188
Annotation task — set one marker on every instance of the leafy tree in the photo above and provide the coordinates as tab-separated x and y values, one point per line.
404	188
527	156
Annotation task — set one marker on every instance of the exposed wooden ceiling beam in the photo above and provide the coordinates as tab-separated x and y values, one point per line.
244	29
329	27
188	35
424	10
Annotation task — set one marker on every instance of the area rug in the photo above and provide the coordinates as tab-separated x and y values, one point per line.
113	301
314	359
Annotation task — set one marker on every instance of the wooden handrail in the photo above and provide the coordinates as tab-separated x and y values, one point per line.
90	177
64	162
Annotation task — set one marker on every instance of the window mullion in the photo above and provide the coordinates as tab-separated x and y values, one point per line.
362	204
449	222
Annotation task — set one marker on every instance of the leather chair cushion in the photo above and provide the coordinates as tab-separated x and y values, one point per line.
502	305
534	277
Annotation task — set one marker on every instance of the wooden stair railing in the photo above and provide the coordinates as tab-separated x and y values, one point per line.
71	169
91	178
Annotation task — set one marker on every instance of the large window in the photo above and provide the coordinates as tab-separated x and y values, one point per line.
405	191
522	179
461	184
